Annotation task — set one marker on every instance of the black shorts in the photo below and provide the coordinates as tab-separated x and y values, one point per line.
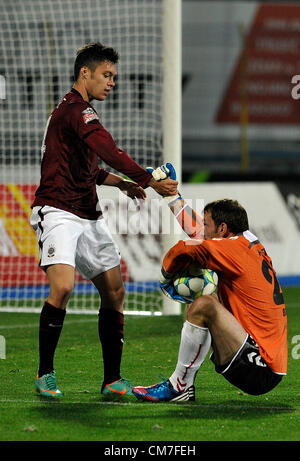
248	371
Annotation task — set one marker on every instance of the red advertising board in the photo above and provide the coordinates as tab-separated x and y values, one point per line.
261	83
19	260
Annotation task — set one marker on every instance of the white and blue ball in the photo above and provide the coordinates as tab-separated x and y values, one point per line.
195	283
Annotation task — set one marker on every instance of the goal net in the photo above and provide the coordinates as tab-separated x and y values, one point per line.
39	39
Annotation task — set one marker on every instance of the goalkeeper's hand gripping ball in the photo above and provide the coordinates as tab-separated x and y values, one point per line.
187	287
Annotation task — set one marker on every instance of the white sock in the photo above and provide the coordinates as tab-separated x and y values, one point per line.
194	346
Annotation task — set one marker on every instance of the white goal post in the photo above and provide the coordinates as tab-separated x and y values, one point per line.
38	40
172	107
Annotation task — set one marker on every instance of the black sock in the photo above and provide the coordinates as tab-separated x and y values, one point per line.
51	323
111	334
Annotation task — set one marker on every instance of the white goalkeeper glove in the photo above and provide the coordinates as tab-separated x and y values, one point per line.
162	172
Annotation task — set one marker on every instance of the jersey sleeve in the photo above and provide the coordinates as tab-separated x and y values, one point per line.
85	122
179	257
213	254
190	222
83	119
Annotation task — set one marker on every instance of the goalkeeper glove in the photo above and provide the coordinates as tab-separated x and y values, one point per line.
167	287
163	172
169	291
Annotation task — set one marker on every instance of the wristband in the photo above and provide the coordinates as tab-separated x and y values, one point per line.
172	199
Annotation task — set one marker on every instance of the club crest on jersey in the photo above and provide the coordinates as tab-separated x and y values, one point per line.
51	251
89	114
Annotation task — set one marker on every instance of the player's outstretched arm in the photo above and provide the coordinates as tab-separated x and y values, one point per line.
188	219
129	188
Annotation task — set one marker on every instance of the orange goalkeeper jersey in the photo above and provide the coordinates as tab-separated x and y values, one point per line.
247	287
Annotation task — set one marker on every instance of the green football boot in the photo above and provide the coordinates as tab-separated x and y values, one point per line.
46	385
117	388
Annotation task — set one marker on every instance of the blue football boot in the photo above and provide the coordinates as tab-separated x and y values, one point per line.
163	392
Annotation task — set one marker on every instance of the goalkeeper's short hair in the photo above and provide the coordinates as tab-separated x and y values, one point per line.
92	54
230	212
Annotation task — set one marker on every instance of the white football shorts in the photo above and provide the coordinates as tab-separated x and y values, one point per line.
65	238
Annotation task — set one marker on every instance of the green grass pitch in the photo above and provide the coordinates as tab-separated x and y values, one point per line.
220	412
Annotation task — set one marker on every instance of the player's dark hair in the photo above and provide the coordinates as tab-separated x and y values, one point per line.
231	213
91	55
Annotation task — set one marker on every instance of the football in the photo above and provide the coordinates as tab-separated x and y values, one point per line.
193	284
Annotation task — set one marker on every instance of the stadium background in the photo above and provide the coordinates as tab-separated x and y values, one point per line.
240	134
239	144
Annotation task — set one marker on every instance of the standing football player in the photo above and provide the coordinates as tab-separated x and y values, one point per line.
246	325
67	217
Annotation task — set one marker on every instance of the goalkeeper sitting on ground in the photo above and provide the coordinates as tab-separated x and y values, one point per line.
246	325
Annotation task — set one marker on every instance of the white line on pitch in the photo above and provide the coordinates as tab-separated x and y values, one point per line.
34	325
149	404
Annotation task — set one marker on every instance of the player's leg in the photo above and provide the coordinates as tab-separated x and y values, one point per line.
57	233
227	333
194	346
208	323
235	353
61	281
111	329
98	260
206	318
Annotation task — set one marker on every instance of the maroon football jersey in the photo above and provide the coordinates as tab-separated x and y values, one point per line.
74	139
